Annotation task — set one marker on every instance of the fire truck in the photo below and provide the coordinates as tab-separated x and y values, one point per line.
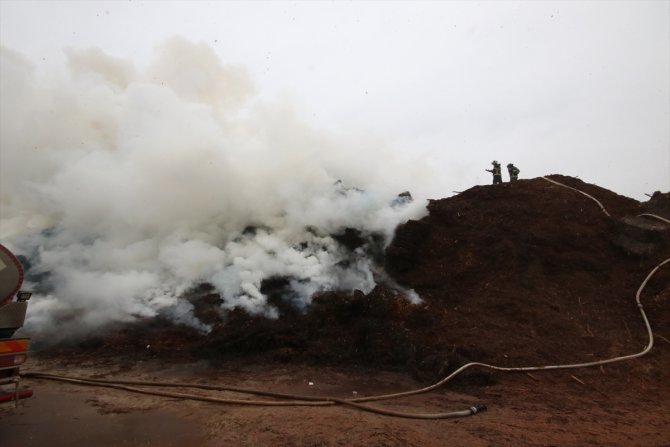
13	305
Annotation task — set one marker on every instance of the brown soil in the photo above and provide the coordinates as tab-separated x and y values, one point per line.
618	405
519	274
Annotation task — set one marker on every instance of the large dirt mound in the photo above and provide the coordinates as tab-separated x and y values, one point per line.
531	272
524	273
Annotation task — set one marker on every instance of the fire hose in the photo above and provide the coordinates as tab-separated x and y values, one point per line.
581	192
356	403
662	219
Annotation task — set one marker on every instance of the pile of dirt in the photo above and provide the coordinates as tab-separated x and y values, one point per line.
528	273
524	273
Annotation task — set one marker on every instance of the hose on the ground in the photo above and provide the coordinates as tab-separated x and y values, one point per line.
296	399
307	400
647	348
662	219
581	192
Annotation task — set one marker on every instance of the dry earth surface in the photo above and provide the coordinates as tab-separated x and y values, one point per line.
618	405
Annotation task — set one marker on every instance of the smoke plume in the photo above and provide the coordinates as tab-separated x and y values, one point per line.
123	188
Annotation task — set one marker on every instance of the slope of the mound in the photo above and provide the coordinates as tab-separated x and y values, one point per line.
527	272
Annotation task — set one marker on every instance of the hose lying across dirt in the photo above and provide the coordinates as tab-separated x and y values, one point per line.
357	403
291	399
662	219
581	192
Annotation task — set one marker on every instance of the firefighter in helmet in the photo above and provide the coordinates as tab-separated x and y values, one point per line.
497	175
513	172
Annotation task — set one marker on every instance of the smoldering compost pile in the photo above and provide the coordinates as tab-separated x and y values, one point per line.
525	273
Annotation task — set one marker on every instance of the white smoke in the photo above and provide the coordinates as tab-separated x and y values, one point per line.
127	187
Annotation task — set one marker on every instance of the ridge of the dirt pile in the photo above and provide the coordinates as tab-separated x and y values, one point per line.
659	204
505	227
616	204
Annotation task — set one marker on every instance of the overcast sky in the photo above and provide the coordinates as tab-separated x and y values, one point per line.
577	88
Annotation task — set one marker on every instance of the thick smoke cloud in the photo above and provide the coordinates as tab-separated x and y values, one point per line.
126	187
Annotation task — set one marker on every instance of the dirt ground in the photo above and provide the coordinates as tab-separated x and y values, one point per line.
522	274
617	405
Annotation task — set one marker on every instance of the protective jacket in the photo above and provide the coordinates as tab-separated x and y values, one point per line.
495	170
497	176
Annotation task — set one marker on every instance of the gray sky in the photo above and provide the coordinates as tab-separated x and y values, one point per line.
577	88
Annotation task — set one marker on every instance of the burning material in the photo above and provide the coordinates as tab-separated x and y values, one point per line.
123	188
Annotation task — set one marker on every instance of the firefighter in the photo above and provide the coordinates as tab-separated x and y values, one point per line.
513	172
497	175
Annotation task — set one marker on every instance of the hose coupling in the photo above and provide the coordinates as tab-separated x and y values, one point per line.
477	409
